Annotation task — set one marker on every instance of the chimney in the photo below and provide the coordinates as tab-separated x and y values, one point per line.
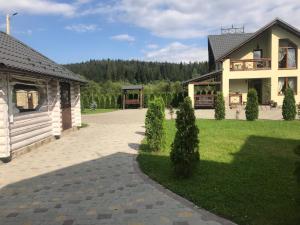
7	24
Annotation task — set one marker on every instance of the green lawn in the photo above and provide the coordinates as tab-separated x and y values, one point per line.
246	172
90	111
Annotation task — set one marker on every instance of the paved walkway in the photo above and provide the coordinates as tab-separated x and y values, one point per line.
90	177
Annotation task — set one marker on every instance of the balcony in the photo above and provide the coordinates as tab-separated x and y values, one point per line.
250	64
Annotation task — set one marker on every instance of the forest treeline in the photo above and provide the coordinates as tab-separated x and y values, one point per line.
137	72
106	78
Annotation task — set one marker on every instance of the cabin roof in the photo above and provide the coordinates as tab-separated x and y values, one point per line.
14	54
133	87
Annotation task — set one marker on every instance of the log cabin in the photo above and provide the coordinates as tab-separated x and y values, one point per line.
39	99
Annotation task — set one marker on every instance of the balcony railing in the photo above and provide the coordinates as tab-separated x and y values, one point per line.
250	64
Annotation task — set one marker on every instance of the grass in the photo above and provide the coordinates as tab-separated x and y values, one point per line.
247	171
90	111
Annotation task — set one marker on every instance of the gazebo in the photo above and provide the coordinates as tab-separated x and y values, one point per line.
133	96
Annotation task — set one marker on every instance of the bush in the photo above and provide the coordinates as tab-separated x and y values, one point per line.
102	102
252	105
154	123
107	102
219	107
184	150
113	104
289	105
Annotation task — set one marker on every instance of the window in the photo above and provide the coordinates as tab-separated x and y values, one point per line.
287	82
257	54
287	56
27	97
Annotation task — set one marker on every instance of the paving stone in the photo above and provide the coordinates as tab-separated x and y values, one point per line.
160	202
13	214
180	223
104	216
40	210
130	211
149	206
68	222
57	206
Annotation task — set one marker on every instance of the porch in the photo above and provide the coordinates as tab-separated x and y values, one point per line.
238	89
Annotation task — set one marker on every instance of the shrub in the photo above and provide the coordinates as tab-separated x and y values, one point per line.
219	107
184	150
289	105
252	105
107	102
154	123
113	102
102	102
299	110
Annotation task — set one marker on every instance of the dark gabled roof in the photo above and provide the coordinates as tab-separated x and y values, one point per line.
16	55
221	44
276	21
133	87
203	77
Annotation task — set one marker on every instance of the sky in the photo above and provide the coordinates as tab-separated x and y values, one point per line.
70	31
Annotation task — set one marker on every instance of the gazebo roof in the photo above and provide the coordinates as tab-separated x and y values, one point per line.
133	87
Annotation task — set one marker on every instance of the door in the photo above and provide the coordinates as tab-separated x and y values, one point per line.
65	102
257	85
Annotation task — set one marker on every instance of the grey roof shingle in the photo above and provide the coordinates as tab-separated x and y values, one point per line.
17	55
223	43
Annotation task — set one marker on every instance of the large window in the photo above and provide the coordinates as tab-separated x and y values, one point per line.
287	56
287	82
27	97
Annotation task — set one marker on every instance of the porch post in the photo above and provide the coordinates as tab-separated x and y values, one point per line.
75	105
4	118
191	93
55	107
141	98
124	99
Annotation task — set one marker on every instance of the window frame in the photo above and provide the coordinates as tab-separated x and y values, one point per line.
40	101
286	48
286	79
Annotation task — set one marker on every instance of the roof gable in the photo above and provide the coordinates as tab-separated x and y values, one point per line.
17	55
248	37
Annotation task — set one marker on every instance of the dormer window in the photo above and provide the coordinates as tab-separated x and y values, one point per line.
287	56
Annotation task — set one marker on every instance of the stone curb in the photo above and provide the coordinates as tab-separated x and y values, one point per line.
206	215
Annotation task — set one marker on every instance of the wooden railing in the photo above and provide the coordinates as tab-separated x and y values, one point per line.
235	99
207	100
250	64
132	101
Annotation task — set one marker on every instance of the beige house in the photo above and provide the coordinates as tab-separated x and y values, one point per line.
267	60
39	99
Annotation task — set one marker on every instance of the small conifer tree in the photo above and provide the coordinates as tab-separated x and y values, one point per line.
219	107
184	150
289	105
154	124
252	105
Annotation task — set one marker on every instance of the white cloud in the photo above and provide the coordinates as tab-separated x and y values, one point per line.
177	52
152	46
37	7
197	18
82	28
123	37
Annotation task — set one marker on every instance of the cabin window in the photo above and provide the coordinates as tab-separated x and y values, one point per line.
287	82
27	98
287	56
